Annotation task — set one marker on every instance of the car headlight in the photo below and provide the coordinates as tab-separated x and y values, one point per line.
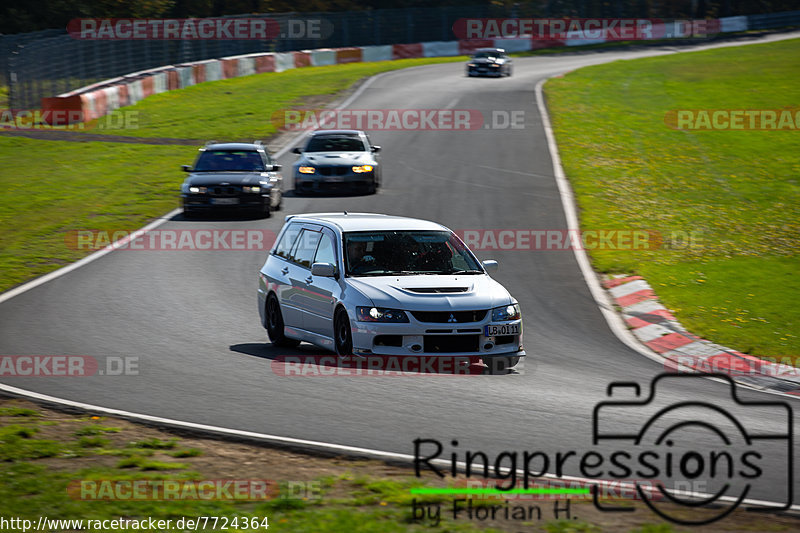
495	64
306	170
506	312
254	188
362	168
472	65
197	190
380	314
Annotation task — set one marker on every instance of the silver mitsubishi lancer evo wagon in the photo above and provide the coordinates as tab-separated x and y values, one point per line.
371	284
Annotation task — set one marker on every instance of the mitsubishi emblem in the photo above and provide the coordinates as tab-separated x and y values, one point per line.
452	318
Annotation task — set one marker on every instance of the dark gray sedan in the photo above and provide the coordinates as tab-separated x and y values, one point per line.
228	176
337	161
490	62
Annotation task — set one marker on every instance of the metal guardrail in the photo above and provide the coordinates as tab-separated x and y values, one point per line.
51	62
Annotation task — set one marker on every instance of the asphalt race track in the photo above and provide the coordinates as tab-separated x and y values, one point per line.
191	319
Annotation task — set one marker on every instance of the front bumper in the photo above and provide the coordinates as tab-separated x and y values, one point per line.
238	201
310	183
484	71
434	339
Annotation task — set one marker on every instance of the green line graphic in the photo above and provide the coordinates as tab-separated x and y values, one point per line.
497	492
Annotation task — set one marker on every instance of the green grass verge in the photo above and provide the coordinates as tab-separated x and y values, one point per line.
242	108
52	187
738	191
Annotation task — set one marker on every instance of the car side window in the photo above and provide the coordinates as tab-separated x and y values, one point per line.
284	247
305	247
325	251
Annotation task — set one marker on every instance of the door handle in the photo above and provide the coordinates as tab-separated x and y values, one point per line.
285	270
309	279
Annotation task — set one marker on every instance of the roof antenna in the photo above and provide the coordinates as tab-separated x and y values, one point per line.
345	212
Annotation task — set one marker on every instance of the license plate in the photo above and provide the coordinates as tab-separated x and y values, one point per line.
492	330
224	201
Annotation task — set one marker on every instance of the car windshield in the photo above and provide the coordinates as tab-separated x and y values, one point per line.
335	143
384	253
481	55
229	160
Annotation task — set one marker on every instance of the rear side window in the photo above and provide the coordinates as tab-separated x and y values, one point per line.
305	247
287	241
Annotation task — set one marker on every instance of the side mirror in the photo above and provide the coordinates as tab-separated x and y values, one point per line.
186	168
276	168
376	148
326	270
490	265
297	150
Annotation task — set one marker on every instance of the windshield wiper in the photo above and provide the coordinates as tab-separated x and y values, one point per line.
471	271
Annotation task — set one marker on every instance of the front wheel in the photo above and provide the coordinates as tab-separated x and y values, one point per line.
343	335
275	324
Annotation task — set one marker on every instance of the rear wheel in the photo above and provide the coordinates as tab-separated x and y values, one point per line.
343	338
275	324
266	211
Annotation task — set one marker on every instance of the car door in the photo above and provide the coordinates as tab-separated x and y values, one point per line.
297	297
322	292
278	275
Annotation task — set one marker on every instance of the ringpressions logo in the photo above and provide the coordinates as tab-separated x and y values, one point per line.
679	454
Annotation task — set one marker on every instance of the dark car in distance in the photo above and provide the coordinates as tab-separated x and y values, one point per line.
232	176
337	161
490	62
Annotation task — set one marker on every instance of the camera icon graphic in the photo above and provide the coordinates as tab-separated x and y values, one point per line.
738	452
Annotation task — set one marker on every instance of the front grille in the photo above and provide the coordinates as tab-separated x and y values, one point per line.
224	191
451	317
333	171
437	290
450	343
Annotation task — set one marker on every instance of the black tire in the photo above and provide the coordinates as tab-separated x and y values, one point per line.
266	210
188	213
343	338
275	324
372	188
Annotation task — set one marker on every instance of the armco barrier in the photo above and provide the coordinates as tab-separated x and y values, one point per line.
468	47
301	59
284	61
377	53
323	57
405	51
349	55
101	98
440	49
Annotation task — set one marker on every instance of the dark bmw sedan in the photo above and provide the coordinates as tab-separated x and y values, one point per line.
232	176
489	62
337	161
